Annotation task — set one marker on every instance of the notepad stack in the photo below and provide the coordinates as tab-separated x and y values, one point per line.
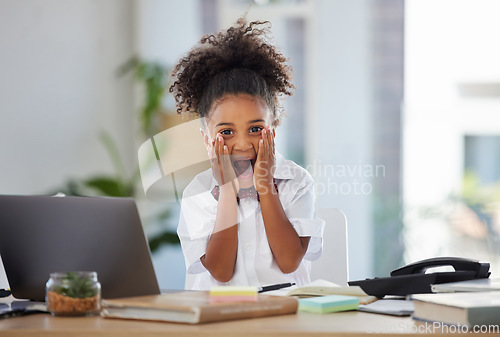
229	294
327	304
468	308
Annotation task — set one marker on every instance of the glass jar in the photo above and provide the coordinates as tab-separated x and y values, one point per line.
76	293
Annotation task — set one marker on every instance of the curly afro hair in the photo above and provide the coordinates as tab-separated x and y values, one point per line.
236	61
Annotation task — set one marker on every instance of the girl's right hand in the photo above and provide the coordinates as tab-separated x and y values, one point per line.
222	167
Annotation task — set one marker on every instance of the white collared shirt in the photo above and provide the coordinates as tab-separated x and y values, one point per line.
255	263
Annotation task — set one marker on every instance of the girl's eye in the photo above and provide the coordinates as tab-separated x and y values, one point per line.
255	129
226	132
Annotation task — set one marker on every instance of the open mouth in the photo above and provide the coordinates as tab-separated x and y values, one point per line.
243	167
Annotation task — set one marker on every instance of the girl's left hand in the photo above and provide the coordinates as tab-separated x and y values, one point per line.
265	163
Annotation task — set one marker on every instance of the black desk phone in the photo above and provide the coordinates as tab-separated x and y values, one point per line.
413	279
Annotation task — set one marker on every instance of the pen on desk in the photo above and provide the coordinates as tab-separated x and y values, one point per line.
275	287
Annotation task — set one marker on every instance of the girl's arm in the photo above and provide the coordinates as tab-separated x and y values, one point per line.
287	247
222	247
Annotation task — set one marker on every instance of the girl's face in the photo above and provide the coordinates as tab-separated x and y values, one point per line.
239	119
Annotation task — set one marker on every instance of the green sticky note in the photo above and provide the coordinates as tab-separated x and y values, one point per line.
326	304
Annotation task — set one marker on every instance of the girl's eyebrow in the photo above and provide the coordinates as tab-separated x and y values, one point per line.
256	121
223	123
249	122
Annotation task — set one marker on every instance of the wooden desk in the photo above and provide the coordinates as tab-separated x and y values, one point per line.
302	324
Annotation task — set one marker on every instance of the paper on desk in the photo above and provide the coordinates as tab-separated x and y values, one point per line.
389	307
316	283
484	284
323	287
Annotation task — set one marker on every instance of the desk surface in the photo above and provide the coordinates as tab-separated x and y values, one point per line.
302	324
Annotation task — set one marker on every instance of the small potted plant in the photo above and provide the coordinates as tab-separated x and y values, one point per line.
73	294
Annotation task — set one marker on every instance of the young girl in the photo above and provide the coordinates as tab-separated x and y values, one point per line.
250	219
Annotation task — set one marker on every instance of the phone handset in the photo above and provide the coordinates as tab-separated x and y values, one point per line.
459	264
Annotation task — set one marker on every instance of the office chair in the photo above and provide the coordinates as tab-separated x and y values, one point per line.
332	265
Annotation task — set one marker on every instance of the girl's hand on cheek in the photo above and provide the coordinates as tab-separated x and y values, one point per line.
222	167
265	163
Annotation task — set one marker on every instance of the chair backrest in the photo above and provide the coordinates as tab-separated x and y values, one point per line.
332	265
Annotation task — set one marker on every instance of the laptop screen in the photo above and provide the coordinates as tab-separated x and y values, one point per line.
42	234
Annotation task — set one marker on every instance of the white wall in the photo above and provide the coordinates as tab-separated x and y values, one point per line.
164	31
58	90
342	132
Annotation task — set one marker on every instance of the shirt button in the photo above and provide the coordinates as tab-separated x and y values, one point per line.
248	246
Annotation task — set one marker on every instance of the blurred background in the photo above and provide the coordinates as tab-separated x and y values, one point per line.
396	112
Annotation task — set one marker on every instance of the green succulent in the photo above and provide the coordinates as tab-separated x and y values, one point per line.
76	286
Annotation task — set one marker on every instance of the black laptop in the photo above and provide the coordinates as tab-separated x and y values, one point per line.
44	234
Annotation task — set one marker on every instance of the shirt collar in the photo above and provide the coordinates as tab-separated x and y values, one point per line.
282	168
